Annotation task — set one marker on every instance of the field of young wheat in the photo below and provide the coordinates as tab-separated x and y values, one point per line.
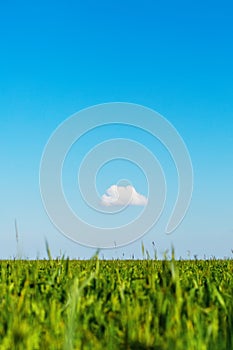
98	304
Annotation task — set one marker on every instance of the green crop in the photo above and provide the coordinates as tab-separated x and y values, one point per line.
98	304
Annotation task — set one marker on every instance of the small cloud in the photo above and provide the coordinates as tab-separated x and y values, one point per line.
122	195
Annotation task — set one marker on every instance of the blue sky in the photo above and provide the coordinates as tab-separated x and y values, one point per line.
174	57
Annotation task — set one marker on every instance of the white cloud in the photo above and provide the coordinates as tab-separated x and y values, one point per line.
122	195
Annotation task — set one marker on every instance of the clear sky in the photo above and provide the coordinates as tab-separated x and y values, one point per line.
59	57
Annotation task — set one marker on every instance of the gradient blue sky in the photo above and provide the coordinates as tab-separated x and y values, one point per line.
175	57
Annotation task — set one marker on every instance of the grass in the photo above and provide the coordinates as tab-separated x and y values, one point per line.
98	304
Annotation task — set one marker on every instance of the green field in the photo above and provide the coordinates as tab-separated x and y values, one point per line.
98	304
